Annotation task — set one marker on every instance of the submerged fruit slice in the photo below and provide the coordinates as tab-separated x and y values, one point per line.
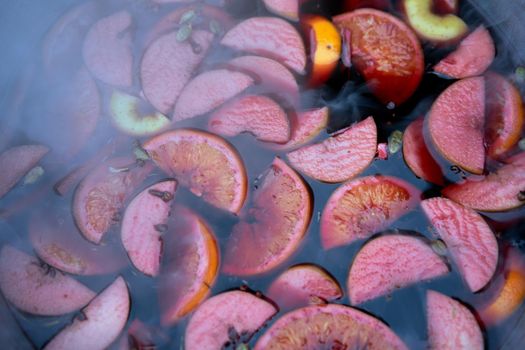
341	156
456	124
101	195
385	51
167	66
273	76
498	191
126	116
306	126
220	319
285	8
469	239
364	206
325	47
431	26
101	321
33	287
257	115
451	325
208	91
190	265
329	327
505	116
143	225
107	49
417	155
58	243
16	162
301	284
271	37
390	262
511	295
207	164
473	56
275	224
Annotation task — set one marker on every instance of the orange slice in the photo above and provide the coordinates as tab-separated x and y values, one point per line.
275	225
207	164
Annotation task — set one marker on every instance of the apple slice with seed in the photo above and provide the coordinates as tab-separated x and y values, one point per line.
99	323
227	319
102	193
473	56
258	115
498	191
505	115
107	49
58	243
470	240
205	163
390	262
271	37
274	226
456	124
126	116
190	265
271	75
143	224
329	327
418	157
16	162
451	325
431	26
340	157
208	91
301	284
168	64
37	288
364	206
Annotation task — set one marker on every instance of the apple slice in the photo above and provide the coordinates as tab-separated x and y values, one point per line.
431	26
100	323
272	76
390	262
417	155
288	9
274	226
385	51
144	223
451	325
505	116
190	265
257	115
299	285
340	157
473	56
329	327
224	319
364	206
58	243
101	195
126	116
325	47
206	163
34	287
107	49
168	64
456	124
271	37
208	91
498	191
469	239
16	162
